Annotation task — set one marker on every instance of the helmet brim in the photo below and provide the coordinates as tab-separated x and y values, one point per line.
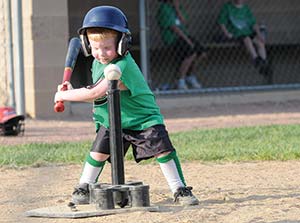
103	25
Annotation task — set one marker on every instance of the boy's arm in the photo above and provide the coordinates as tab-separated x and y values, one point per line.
223	20
83	94
225	31
179	13
182	35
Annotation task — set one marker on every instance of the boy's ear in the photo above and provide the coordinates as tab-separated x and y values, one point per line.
86	48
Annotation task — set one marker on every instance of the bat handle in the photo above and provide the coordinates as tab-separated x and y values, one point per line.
59	105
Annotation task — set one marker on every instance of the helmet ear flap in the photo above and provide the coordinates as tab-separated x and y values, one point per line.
124	44
122	48
86	48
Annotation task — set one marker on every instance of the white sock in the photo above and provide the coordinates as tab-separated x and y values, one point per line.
91	170
171	174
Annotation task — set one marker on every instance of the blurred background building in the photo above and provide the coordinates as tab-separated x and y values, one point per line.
47	27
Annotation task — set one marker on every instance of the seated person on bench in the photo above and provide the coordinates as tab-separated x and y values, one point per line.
238	23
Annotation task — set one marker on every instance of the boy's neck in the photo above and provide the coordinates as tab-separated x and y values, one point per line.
238	5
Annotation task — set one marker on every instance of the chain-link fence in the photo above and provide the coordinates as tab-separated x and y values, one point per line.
227	63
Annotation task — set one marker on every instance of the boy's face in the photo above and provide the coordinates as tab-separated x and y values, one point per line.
104	50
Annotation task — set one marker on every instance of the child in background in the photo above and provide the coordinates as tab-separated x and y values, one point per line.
172	22
238	22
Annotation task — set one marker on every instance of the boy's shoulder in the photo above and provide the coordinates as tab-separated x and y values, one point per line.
124	60
228	4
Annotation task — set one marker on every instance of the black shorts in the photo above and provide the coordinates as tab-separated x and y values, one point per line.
145	143
251	36
181	49
239	39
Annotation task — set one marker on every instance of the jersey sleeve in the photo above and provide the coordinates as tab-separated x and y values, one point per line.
223	15
132	76
165	16
252	19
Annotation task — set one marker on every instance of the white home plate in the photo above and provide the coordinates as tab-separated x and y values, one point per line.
83	211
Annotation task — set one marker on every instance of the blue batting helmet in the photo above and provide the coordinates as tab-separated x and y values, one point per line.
106	17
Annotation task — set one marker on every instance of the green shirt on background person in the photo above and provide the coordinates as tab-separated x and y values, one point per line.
239	21
167	17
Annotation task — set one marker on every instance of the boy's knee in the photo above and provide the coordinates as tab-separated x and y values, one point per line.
247	39
99	156
162	154
260	43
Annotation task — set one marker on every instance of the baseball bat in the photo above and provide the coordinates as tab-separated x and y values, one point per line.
71	57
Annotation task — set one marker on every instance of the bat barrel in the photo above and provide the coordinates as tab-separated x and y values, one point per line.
71	57
73	51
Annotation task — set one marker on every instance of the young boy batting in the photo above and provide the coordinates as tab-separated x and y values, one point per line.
105	35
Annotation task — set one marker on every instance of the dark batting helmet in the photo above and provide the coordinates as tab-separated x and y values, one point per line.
106	17
10	122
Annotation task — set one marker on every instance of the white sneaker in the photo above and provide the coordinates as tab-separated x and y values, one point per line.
193	82
182	84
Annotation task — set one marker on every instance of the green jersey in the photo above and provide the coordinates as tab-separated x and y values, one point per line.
138	106
167	17
239	21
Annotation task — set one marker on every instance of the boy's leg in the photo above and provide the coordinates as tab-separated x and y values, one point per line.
250	47
172	171
90	173
261	49
92	169
265	67
187	57
93	166
183	69
259	58
155	142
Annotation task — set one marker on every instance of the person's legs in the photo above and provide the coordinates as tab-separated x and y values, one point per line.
171	169
199	52
92	168
155	142
265	65
186	59
250	47
185	66
191	78
261	49
259	57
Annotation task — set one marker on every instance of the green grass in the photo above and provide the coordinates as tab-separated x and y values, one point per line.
277	142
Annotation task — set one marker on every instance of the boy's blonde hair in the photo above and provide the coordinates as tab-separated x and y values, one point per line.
97	33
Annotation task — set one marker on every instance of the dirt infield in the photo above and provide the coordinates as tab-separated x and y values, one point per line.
229	192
